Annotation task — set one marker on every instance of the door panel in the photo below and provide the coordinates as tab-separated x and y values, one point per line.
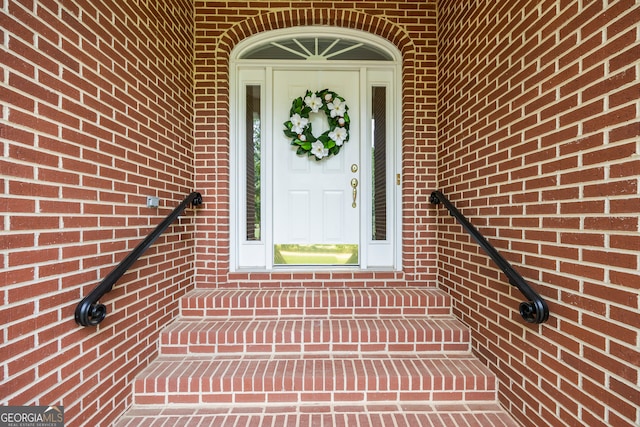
313	200
298	204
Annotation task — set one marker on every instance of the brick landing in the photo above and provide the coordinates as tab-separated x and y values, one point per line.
388	415
316	357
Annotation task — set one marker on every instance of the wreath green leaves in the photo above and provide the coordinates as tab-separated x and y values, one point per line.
298	127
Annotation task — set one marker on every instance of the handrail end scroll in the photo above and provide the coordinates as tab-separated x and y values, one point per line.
433	198
197	199
534	311
90	314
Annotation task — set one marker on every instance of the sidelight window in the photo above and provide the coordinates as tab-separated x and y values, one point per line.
253	134
379	162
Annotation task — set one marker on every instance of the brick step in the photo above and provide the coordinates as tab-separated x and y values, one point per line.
406	415
316	334
301	302
316	357
308	379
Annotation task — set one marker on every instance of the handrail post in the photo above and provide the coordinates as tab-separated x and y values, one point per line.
535	310
89	312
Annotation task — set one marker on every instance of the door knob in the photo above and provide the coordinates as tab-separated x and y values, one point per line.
354	185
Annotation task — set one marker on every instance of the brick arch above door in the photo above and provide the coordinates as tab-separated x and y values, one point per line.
344	18
226	40
214	43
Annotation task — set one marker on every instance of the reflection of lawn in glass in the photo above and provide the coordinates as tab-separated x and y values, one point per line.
290	254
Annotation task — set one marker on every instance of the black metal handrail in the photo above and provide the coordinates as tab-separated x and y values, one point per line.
89	312
533	311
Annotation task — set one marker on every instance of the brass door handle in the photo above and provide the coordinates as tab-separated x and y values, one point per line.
354	185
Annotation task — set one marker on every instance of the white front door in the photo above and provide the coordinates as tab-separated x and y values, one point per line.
316	203
289	210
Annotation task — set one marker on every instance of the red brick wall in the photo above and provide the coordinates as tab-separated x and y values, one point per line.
411	26
538	146
96	114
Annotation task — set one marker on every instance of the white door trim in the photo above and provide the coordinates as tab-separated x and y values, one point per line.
258	255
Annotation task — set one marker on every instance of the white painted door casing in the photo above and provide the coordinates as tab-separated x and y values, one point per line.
275	104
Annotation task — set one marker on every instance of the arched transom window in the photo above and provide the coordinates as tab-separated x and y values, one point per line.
324	48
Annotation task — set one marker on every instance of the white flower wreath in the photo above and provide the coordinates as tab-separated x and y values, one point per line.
298	127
